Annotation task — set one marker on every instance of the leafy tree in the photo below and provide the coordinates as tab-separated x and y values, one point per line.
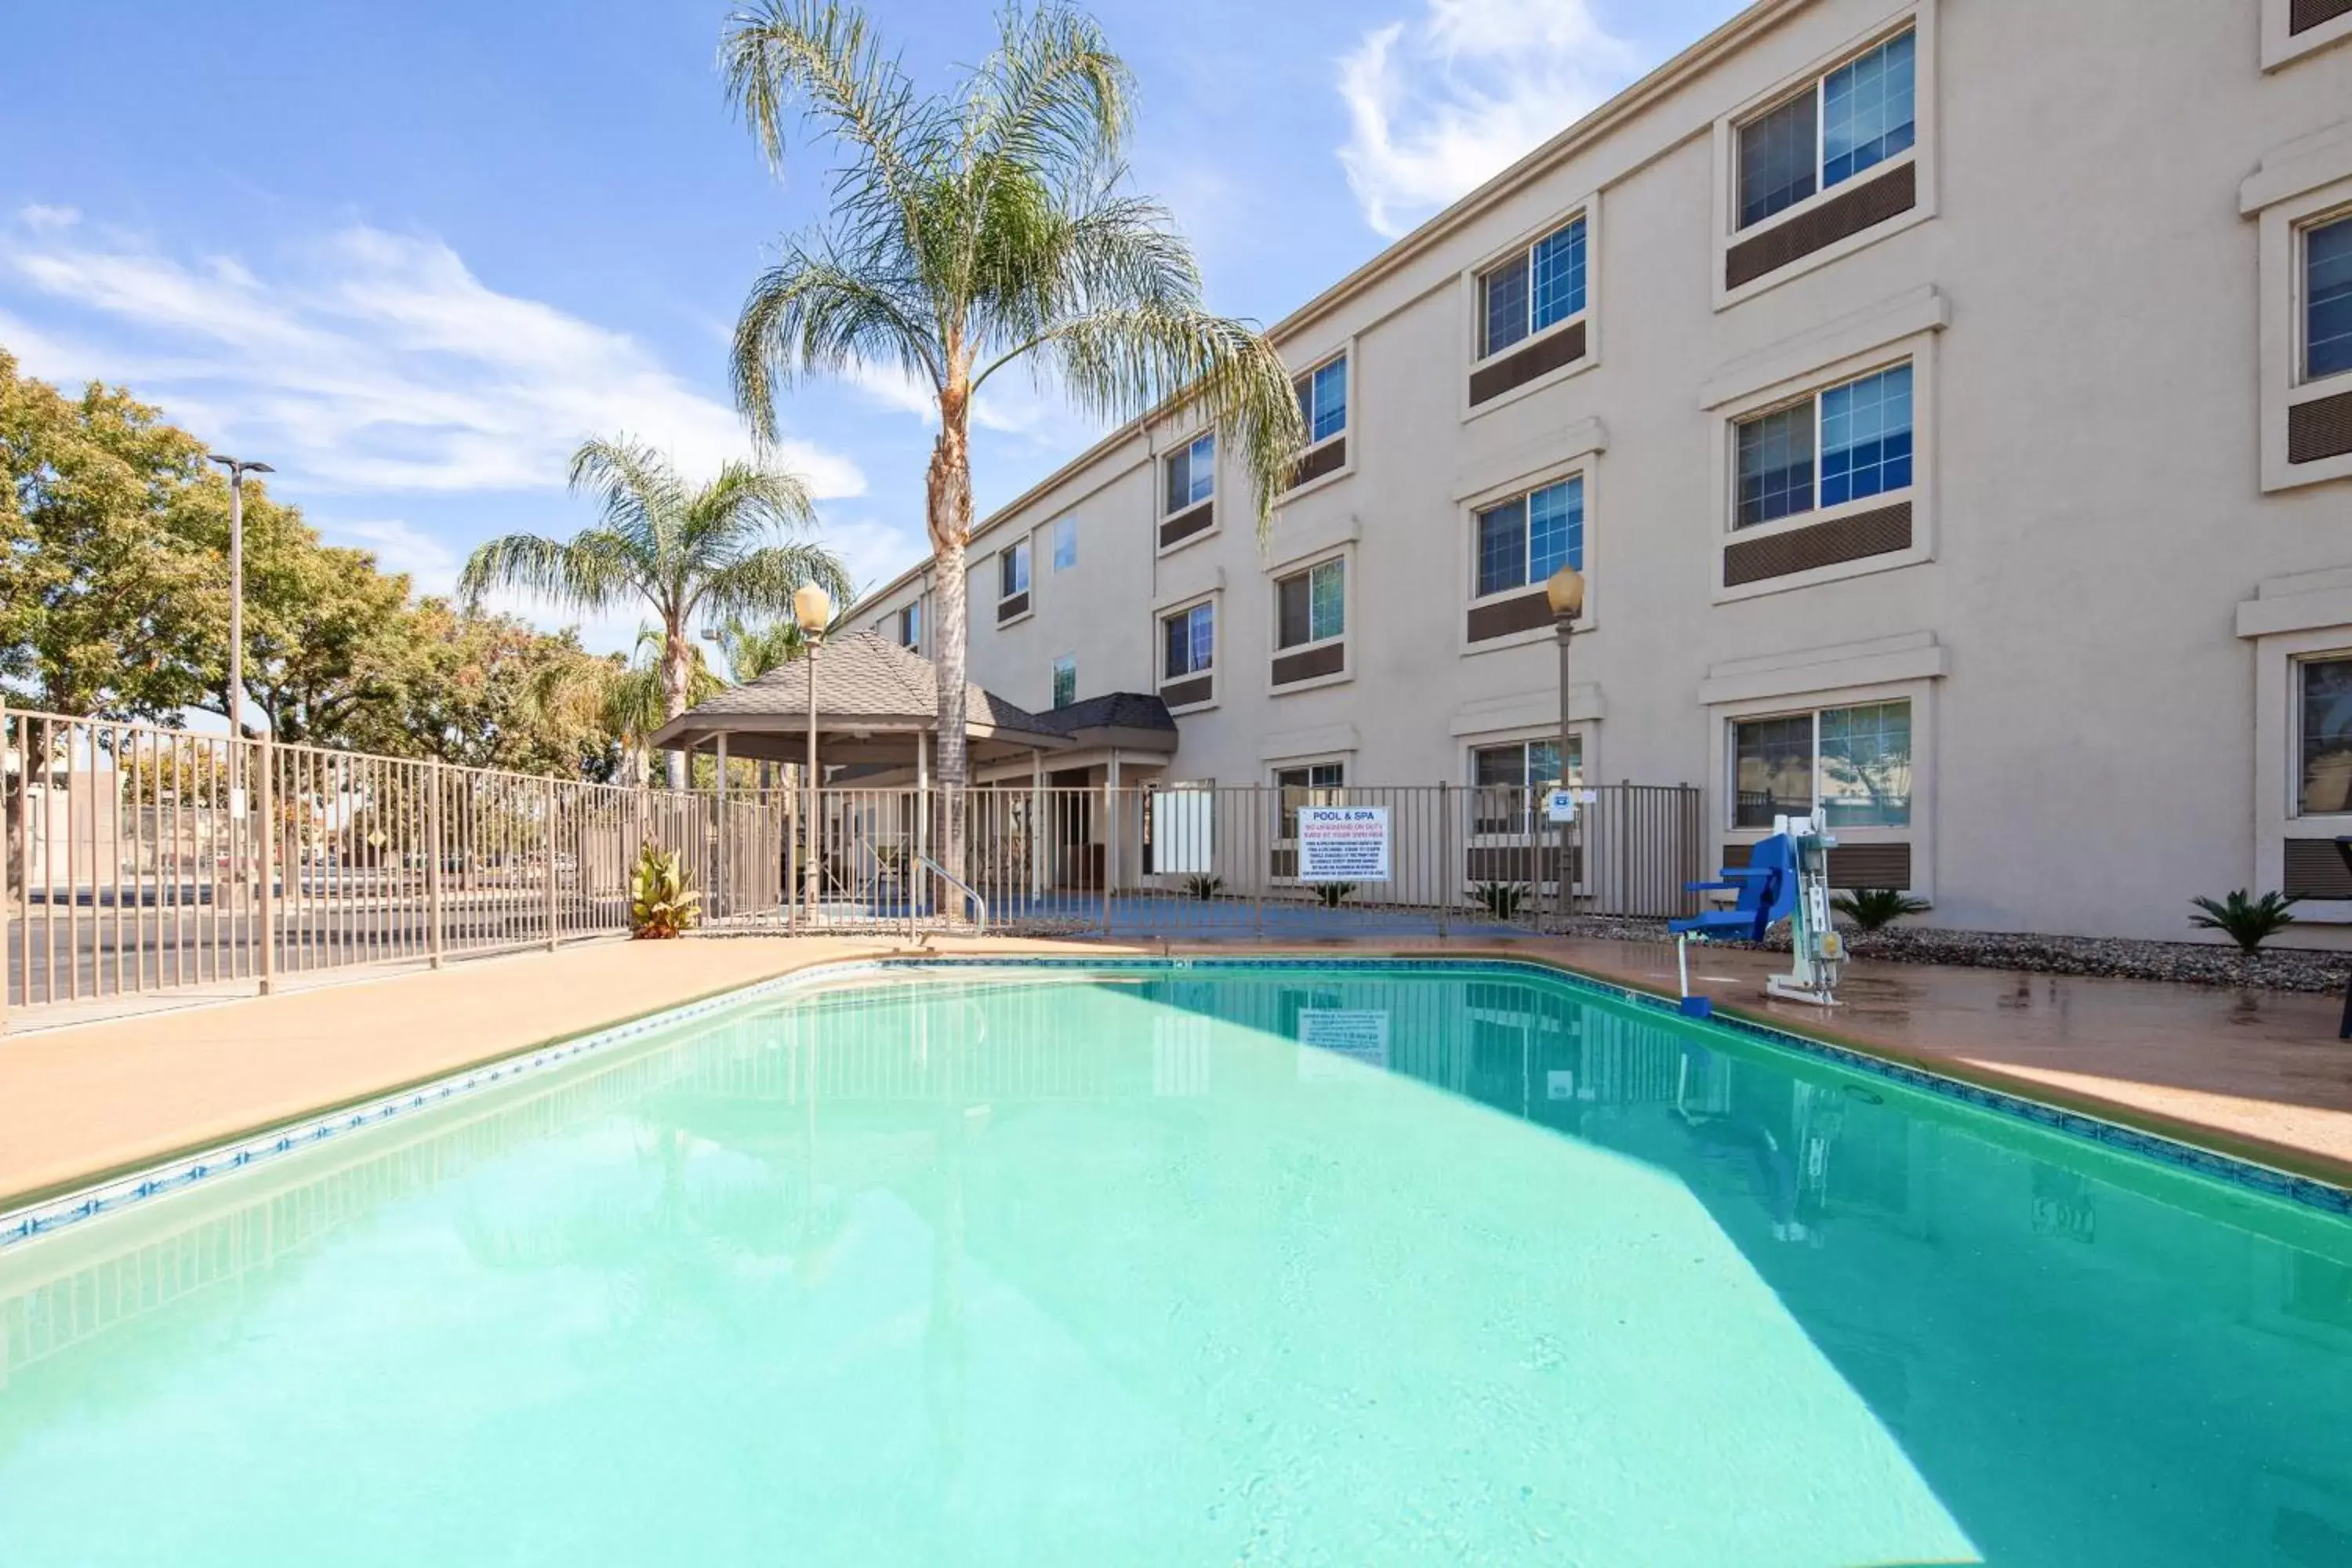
978	230
471	694
101	597
723	548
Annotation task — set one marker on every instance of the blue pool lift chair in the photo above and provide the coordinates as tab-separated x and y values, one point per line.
1767	886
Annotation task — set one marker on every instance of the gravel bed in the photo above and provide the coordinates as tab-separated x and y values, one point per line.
2188	962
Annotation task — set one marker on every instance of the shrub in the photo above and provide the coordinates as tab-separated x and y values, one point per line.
661	902
1333	894
1500	899
2243	920
1876	908
1205	888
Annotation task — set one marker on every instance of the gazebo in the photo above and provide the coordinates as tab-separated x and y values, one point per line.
875	723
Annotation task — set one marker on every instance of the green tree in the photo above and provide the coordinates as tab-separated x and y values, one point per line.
473	694
977	231
100	598
722	549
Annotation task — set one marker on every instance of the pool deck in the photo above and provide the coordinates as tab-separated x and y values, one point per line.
2256	1074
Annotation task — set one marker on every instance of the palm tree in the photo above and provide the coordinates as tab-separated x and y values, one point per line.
974	231
724	548
622	697
752	649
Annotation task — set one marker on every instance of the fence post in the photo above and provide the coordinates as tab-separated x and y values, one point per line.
552	933
1110	838
8	860
1444	890
433	937
266	904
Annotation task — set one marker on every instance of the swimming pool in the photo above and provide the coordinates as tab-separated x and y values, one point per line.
1291	1265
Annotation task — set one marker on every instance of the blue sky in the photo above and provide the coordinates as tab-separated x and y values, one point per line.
412	251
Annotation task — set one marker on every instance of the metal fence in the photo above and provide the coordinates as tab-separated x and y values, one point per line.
1224	860
141	857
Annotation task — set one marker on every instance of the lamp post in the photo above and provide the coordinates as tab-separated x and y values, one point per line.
237	469
813	608
1565	593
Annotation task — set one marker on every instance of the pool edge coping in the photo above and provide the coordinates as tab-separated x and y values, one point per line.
2299	1177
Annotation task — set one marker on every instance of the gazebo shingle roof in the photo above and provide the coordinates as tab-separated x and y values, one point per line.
863	680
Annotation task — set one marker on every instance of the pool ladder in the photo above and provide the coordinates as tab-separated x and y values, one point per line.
913	905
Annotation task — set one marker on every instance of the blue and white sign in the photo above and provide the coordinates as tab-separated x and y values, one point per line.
1560	806
1343	844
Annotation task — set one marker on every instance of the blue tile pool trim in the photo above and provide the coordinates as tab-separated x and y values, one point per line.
52	1216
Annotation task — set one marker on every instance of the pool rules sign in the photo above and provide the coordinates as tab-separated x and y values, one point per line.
1343	844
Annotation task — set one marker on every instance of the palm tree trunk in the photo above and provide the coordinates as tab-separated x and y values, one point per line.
948	494
678	667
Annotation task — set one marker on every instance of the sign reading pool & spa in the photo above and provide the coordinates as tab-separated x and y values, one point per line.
1343	843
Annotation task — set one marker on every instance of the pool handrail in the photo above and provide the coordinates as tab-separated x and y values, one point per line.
913	905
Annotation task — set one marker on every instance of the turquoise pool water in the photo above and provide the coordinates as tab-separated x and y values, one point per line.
1276	1266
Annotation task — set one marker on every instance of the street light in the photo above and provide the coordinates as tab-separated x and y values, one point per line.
1565	593
813	608
237	469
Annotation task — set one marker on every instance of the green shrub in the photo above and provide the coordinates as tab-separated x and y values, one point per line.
1205	888
661	902
2243	920
1332	894
1876	908
1500	899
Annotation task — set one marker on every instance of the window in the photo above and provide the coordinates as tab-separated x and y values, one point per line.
1192	474
1323	399
1311	607
1528	538
1065	680
1510	779
1317	784
1850	121
1539	286
2327	300
1189	641
1855	762
1066	545
2326	703
1861	431
909	627
1013	571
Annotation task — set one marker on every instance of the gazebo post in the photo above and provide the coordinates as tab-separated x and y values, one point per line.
918	879
1110	835
1036	825
718	867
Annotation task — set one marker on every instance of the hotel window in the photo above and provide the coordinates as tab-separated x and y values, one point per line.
1510	779
1065	680
1854	762
1525	540
1850	120
2324	705
909	627
2327	298
1313	783
1538	287
1311	607
1188	642
1013	571
1323	399
1192	474
1066	545
1861	432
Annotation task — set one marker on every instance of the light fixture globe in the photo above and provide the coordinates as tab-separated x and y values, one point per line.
1565	590
812	607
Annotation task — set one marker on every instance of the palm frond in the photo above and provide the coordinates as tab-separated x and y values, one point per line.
763	582
588	573
812	313
1116	363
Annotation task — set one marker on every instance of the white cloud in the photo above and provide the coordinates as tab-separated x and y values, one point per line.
1439	104
44	219
375	362
431	564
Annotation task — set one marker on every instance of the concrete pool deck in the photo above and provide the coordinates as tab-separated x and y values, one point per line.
2261	1075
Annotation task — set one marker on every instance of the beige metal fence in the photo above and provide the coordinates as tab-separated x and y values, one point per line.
141	857
1226	860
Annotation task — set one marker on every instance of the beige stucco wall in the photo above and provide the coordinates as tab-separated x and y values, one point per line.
2084	309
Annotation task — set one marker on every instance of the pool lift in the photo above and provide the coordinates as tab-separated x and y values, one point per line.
1786	878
